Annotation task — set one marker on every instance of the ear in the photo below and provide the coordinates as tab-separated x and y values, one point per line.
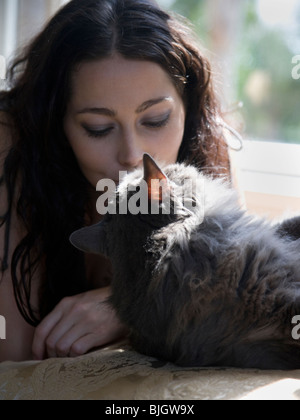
153	172
91	239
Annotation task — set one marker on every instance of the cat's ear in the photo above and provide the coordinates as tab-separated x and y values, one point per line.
91	239
153	172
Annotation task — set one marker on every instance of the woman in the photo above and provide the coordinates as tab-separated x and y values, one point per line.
104	82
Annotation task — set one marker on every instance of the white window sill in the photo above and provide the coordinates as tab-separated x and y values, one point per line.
270	168
269	176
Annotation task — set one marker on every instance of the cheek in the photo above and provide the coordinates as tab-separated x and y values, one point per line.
89	156
91	165
174	139
83	152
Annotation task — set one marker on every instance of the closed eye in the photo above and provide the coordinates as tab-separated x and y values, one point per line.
103	132
94	133
162	122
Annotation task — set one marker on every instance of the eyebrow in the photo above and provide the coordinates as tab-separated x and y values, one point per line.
111	113
152	102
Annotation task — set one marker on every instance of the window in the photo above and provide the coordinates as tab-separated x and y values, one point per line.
8	25
255	50
22	19
255	45
19	21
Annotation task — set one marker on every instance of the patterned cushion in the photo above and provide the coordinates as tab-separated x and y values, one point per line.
118	372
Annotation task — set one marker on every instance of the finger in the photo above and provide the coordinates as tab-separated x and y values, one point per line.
83	345
87	343
42	332
74	323
83	336
55	344
63	347
39	346
97	339
80	338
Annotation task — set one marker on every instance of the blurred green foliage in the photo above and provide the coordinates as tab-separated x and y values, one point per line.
262	68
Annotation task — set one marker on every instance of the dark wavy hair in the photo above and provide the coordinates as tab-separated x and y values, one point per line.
51	192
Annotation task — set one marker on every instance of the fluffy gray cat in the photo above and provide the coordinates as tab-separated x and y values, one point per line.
206	284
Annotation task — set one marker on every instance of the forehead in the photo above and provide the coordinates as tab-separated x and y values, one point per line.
114	78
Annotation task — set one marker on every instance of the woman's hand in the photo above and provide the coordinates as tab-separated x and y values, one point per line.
77	325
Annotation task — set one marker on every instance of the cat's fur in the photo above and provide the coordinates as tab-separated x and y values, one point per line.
215	291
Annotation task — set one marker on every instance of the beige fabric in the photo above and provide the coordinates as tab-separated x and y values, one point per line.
121	373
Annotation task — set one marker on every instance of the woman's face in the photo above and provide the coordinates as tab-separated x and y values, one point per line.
119	109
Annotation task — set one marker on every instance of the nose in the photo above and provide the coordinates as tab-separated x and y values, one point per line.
130	153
